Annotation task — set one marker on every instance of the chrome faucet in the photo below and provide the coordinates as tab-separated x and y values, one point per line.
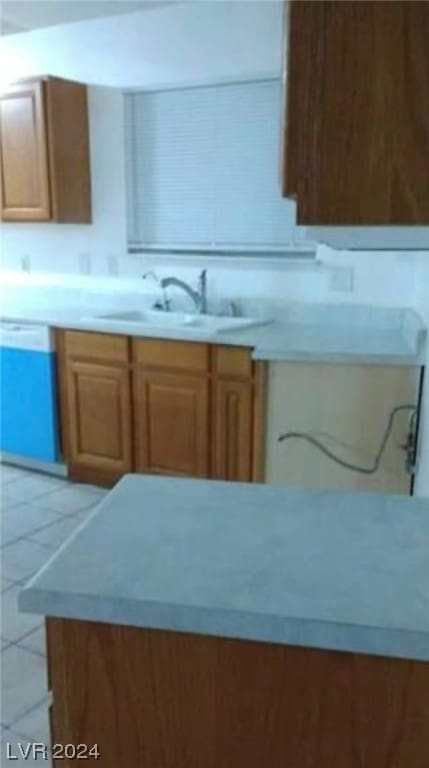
199	296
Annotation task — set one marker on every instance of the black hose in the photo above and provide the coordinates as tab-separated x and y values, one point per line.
346	464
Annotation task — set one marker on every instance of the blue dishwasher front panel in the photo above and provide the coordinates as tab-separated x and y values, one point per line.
29	425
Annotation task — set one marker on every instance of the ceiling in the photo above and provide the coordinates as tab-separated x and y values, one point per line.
23	15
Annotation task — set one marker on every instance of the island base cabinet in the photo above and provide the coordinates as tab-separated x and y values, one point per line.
158	699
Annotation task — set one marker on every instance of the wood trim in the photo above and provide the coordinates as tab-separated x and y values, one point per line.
48	626
68	142
189	356
80	473
60	721
231	362
259	422
291	105
96	347
62	390
231	417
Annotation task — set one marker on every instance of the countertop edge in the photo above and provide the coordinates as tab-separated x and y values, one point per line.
308	633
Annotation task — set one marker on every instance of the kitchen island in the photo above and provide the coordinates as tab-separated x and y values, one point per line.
200	624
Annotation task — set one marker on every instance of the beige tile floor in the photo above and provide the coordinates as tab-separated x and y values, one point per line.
38	512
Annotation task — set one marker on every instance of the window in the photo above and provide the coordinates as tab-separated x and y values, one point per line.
203	169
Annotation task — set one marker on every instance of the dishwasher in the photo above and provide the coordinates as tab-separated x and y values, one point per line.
28	396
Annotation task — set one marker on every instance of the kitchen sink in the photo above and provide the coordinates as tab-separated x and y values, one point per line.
204	325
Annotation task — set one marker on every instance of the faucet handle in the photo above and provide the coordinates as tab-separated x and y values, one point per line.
232	309
151	274
202	285
163	305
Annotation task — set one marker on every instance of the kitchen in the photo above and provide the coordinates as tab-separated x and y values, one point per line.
337	336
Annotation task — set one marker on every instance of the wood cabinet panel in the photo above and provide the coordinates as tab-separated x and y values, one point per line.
184	355
96	346
259	422
24	160
357	115
232	362
99	416
68	142
63	401
45	151
232	433
176	700
171	423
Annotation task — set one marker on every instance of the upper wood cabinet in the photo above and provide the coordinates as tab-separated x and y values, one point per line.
44	144
356	124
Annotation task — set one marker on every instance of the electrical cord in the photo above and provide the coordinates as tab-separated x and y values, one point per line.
346	464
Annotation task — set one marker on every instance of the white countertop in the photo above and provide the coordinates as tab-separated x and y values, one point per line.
328	333
311	568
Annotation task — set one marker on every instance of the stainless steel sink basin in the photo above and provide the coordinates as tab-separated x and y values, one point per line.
204	325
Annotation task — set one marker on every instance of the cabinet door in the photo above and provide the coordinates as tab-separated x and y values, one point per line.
232	430
24	162
99	420
171	423
357	118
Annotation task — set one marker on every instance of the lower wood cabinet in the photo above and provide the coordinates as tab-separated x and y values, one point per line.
158	406
171	422
99	415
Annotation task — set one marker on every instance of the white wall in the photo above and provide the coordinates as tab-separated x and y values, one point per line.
187	43
66	247
175	45
422	302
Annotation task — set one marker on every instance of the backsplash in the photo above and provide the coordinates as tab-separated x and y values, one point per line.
385	279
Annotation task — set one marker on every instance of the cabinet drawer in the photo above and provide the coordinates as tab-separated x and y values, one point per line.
102	346
232	361
190	356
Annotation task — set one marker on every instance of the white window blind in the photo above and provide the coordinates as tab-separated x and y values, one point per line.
203	169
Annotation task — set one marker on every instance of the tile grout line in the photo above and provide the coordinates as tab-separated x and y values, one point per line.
27	711
24	637
17	644
38	501
35	501
61	516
